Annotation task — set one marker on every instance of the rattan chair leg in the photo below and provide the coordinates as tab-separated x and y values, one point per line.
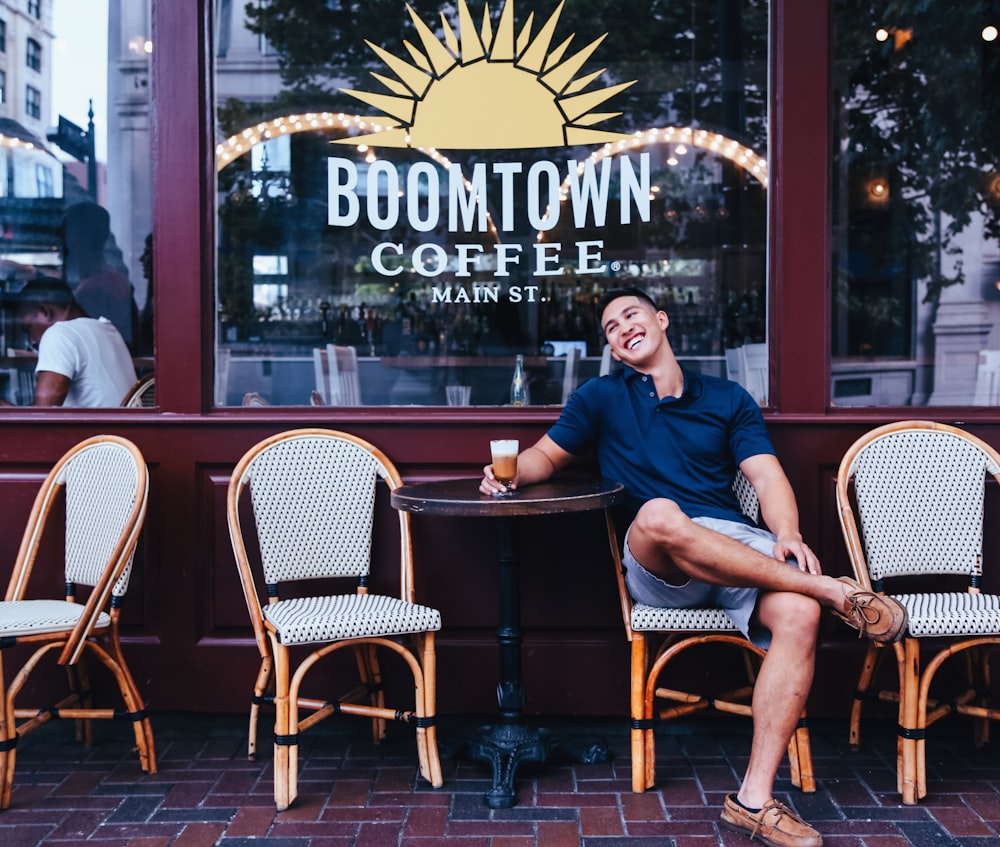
426	694
868	671
79	685
910	721
285	743
115	662
10	760
800	760
263	688
642	778
371	679
8	733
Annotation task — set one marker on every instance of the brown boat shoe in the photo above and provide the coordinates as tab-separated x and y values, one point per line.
875	616
776	825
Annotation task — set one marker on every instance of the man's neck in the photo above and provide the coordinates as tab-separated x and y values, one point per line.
667	374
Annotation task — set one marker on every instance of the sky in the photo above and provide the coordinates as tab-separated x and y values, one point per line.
80	65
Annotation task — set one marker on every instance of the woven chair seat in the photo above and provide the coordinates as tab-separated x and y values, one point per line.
34	617
305	620
653	619
951	613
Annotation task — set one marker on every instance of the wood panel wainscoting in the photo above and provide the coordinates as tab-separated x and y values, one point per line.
185	624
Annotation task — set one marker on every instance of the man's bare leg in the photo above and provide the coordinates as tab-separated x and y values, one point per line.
672	546
781	688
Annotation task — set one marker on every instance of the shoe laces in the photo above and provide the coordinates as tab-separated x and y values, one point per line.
781	809
861	610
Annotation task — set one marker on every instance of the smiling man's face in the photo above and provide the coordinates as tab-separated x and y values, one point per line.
633	328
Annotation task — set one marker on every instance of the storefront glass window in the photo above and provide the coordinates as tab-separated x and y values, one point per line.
75	205
420	197
916	264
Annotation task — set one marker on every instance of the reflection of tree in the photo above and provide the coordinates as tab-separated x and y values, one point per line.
921	114
696	63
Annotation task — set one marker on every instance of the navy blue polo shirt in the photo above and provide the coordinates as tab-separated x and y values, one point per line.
685	448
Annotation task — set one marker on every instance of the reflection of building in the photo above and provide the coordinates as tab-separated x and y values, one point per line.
31	177
129	188
26	64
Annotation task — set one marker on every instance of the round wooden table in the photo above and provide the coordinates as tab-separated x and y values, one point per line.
510	742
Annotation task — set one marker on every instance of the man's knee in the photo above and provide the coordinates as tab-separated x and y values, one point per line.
662	519
790	615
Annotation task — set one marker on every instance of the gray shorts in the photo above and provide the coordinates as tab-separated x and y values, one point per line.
738	603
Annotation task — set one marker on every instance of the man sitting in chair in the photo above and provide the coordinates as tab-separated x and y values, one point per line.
675	439
82	361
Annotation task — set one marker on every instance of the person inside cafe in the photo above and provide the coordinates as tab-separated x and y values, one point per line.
100	289
82	361
675	439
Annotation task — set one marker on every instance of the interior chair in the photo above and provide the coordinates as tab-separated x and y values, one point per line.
987	392
25	386
337	375
754	370
734	362
672	632
313	494
101	486
254	398
911	502
223	356
607	361
142	395
570	373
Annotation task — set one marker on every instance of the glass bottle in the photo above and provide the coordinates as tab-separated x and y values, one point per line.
519	384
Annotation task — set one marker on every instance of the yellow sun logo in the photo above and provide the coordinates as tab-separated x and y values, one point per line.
480	89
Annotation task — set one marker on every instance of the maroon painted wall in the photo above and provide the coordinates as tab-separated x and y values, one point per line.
187	631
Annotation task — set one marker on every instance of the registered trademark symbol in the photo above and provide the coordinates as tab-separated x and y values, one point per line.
616	266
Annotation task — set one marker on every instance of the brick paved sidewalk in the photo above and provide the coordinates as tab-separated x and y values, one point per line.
354	794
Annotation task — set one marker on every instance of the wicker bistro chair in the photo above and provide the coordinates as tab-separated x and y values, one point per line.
313	497
142	395
337	380
911	503
684	629
106	485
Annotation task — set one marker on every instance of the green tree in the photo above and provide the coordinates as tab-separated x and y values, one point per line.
920	110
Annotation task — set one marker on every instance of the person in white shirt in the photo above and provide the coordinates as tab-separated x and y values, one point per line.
82	361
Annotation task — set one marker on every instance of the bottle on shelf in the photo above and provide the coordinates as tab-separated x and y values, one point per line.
519	395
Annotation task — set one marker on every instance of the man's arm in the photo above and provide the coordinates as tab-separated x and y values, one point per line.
779	510
535	464
50	388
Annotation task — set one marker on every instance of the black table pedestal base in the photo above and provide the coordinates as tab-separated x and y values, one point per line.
506	746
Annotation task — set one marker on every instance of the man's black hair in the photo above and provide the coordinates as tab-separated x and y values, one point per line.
615	293
44	289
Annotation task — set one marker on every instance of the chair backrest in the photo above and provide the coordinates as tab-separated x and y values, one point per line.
569	373
608	362
25	386
988	379
313	496
337	375
222	359
142	395
919	487
106	488
734	361
747	496
754	370
255	398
